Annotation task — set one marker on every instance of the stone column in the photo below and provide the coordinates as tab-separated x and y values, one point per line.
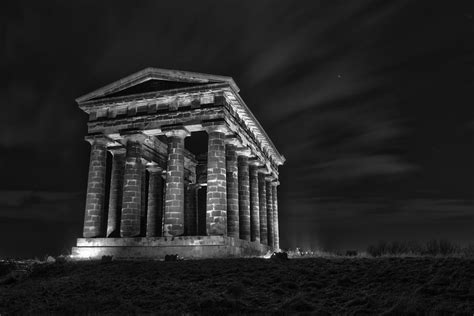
276	238
154	206
94	212
132	187
244	197
262	194
174	197
232	192
216	209
254	202
190	210
143	203
270	226
116	190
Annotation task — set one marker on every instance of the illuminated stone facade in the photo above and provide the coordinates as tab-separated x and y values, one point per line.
144	185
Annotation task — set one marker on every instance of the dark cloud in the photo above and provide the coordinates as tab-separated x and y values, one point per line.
41	205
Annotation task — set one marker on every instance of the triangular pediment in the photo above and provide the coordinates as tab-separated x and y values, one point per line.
155	80
151	85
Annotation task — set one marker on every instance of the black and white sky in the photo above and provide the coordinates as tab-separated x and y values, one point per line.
370	101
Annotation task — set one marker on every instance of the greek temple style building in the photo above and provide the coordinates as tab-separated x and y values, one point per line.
149	195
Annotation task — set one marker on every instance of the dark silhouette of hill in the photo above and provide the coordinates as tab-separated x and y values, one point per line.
314	285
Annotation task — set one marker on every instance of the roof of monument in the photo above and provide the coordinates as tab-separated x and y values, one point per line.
155	79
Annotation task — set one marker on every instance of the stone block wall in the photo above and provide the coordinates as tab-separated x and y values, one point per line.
190	211
254	204
235	200
116	191
216	184
241	201
143	203
174	199
276	236
95	190
262	189
244	197
155	204
132	191
270	227
232	192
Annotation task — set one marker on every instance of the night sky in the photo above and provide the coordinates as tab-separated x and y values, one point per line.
371	102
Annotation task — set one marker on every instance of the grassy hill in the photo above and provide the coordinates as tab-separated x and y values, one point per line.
315	285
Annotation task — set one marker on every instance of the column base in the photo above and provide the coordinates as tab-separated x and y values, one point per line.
188	247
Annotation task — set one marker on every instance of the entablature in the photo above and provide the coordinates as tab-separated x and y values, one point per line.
129	104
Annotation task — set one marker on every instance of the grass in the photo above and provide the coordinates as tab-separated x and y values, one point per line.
389	278
337	285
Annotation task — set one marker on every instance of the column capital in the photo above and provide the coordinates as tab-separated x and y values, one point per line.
117	150
99	139
244	151
216	126
153	132
255	162
175	131
275	183
233	140
270	179
133	135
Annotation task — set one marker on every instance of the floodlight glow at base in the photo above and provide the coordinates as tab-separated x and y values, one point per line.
188	247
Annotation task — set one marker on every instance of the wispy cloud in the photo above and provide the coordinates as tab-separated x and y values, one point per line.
344	223
42	206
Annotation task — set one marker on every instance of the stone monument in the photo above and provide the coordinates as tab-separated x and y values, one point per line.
148	196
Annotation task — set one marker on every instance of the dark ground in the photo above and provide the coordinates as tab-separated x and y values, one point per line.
314	285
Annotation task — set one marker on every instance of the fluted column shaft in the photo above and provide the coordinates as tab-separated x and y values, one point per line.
216	215
244	197
132	190
232	192
116	191
270	225
94	212
254	204
262	190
